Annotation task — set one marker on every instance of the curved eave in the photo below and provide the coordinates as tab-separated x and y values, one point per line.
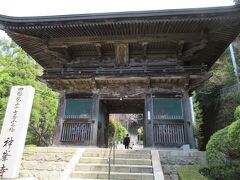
218	25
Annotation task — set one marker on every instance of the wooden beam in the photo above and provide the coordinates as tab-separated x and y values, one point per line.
93	83
145	45
122	54
27	36
149	82
141	38
99	51
187	82
190	52
58	56
180	48
67	53
122	78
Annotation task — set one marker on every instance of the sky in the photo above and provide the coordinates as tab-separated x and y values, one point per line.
60	7
56	7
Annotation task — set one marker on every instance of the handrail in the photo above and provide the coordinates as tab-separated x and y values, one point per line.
110	152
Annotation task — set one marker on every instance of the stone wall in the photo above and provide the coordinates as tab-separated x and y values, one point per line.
45	163
172	159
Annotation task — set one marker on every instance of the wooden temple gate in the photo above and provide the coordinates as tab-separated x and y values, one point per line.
166	119
151	60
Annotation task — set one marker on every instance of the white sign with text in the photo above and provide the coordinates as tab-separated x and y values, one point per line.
14	130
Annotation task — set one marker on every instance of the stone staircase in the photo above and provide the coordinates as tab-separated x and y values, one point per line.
129	164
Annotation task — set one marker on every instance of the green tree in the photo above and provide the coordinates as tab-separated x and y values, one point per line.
121	131
223	152
197	127
17	68
208	96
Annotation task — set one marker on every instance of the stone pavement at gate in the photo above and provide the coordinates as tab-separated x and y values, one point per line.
135	146
50	163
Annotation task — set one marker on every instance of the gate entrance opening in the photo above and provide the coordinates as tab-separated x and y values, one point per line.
131	124
123	110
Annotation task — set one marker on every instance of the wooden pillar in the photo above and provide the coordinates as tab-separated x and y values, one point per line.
148	134
102	120
189	137
95	113
59	119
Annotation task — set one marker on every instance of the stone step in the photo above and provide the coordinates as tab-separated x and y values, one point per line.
85	179
48	154
39	165
117	155
97	160
114	168
41	174
50	149
43	156
121	151
114	175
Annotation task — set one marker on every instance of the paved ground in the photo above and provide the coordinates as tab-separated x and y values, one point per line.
135	146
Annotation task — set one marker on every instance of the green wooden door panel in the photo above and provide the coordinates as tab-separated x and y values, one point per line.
167	108
78	109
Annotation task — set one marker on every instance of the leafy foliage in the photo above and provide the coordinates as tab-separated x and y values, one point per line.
17	68
197	129
223	152
208	96
237	113
229	105
223	74
234	136
191	172
121	131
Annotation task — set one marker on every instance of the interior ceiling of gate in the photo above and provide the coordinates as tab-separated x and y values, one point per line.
123	106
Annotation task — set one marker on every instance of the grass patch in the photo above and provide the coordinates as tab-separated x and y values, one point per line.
28	154
192	172
30	145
